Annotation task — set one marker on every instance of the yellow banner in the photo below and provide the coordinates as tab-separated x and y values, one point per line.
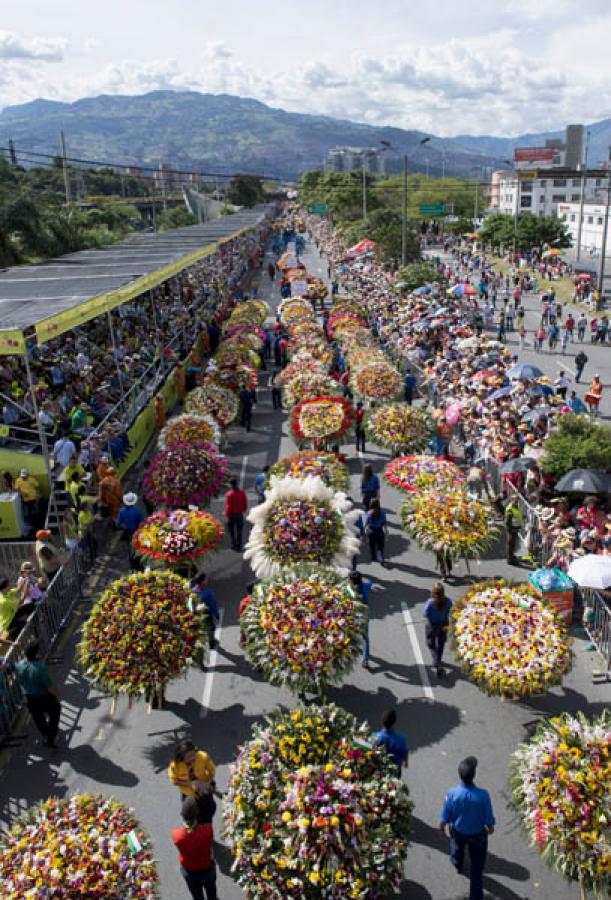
72	318
12	343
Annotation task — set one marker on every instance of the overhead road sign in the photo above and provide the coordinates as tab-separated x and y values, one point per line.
432	209
317	209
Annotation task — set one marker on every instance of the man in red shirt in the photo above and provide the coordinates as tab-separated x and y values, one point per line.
194	844
236	504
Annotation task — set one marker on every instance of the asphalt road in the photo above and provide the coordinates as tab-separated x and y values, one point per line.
127	756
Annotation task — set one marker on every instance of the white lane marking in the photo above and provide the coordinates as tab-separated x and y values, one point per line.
565	368
243	471
413	639
210	671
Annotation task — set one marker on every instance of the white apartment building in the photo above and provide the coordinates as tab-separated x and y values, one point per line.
542	191
592	228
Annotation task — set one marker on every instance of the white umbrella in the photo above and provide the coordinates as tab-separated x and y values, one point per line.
591	571
469	343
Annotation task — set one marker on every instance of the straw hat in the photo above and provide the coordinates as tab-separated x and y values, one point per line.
130	499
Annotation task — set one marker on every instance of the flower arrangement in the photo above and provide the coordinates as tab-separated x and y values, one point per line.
185	475
212	399
318	350
560	787
301	521
231	354
508	641
81	846
252	312
306	632
314	463
308	385
188	429
178	536
141	633
321	419
419	472
296	309
317	289
235	332
449	521
377	382
235	378
300	367
398	426
314	809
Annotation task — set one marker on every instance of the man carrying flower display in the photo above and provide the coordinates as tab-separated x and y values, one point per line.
395	744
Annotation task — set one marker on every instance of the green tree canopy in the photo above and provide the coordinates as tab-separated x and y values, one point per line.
417	274
245	190
577	444
177	217
531	232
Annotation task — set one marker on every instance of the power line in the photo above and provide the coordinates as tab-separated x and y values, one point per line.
31	155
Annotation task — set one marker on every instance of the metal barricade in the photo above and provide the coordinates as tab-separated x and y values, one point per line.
44	626
597	623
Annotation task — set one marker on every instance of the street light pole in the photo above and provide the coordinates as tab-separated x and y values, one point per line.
404	219
603	252
364	191
582	198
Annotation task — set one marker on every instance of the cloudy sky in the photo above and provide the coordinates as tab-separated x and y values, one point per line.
476	66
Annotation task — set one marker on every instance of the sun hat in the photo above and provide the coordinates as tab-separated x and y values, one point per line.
24	473
26	566
130	499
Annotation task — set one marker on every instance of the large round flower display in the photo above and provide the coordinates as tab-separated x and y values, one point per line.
315	809
315	464
398	427
420	471
186	475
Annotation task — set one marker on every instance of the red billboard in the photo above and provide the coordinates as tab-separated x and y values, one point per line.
533	154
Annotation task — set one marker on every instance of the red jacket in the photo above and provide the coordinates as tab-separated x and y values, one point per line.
236	502
194	847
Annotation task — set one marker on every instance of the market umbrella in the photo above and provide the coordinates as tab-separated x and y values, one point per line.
484	373
469	291
501	392
425	289
585	481
454	412
537	413
524	372
591	571
457	291
403	284
518	464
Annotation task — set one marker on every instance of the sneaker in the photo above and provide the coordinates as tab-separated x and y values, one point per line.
365	664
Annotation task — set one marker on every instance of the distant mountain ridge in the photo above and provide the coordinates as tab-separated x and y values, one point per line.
224	134
215	132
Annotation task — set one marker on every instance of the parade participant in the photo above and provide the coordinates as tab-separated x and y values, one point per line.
110	495
40	693
395	743
49	557
103	468
160	413
467	810
260	483
236	504
207	598
370	486
375	529
580	364
129	519
363	586
194	844
437	616
29	491
593	395
359	426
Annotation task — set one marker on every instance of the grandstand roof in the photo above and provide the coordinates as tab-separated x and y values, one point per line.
32	294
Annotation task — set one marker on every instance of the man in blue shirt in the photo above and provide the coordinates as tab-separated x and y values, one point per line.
362	587
129	519
576	404
395	744
206	596
260	483
409	382
468	811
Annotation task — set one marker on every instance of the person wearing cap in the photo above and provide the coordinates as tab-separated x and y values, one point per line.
467	810
129	520
29	491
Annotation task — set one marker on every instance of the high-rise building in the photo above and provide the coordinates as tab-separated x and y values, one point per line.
573	140
352	159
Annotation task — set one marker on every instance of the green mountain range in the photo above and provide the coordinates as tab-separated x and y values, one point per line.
216	133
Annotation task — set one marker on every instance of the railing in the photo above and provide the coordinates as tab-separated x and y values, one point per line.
44	626
597	623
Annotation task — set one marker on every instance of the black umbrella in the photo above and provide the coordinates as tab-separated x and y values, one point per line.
540	412
518	464
585	481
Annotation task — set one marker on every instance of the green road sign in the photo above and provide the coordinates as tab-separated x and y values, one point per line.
317	209
432	209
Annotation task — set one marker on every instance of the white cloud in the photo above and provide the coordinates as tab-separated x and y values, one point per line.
13	46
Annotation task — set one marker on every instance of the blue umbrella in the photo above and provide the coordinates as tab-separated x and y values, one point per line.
502	392
457	291
440	311
425	289
524	372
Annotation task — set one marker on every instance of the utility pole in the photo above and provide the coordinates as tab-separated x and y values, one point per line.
11	152
62	147
443	163
404	219
476	203
364	191
603	252
582	197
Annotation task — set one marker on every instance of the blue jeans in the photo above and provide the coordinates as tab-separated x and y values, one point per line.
478	847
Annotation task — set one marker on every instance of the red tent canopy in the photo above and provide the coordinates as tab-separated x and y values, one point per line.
362	247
